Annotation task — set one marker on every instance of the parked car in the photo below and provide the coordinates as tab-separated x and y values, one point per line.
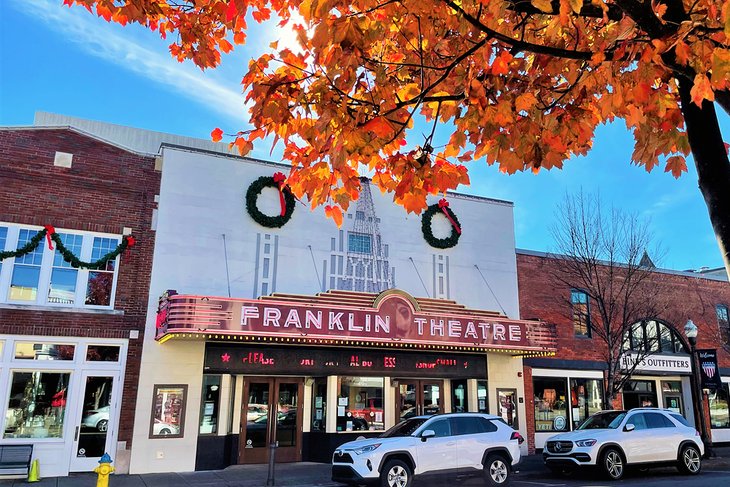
453	445
613	440
96	418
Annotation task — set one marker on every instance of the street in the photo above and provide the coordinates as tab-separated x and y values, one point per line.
655	477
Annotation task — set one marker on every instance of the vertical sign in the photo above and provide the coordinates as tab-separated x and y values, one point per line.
709	371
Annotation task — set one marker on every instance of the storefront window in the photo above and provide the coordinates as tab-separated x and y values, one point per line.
360	404
210	404
319	405
459	402
482	404
168	411
37	405
43	351
102	353
551	406
586	399
719	410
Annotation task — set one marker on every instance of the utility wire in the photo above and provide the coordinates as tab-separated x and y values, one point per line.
225	258
428	295
490	290
314	264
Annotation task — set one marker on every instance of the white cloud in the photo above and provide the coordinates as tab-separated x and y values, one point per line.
119	46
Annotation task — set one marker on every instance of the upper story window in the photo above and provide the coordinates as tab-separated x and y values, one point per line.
652	336
360	243
723	321
581	313
43	277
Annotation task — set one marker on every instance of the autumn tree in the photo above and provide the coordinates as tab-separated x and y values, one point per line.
520	83
603	253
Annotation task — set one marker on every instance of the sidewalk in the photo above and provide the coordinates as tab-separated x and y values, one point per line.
287	475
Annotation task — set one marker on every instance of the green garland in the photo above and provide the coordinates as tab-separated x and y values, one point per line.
252	195
439	243
127	242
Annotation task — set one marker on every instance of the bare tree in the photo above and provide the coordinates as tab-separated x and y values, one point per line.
603	253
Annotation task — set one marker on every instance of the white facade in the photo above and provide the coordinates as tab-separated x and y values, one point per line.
207	244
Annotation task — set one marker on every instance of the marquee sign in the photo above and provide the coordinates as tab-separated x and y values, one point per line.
224	358
390	318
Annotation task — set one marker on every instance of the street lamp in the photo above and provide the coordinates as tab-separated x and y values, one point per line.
690	331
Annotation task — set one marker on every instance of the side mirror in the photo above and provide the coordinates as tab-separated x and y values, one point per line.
427	434
629	427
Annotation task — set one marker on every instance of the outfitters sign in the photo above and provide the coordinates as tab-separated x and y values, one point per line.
709	371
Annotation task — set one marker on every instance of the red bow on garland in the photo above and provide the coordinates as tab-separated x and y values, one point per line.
443	204
130	243
280	179
49	231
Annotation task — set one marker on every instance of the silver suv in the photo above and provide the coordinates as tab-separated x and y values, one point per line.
613	440
448	445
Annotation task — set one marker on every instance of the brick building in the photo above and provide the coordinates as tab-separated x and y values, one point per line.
71	337
561	391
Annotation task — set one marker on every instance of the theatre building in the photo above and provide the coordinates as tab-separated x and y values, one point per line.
561	391
75	255
311	335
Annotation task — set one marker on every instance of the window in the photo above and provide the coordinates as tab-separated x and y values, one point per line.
43	351
482	397
586	399
441	427
458	396
719	409
638	420
210	404
168	411
722	319
681	419
319	405
360	404
581	313
43	277
359	243
654	336
102	353
656	420
37	405
551	406
471	425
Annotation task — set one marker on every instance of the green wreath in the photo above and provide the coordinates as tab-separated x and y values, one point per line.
439	243
252	195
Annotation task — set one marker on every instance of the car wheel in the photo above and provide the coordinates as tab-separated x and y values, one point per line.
102	425
496	470
165	431
690	460
396	473
612	464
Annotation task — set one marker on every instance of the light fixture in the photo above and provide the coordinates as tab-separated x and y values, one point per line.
690	330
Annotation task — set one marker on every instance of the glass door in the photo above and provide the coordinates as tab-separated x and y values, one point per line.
96	429
273	412
419	397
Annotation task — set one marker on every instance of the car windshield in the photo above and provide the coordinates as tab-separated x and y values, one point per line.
602	421
404	428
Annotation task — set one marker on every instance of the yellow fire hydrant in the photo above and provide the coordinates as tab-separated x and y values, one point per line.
103	470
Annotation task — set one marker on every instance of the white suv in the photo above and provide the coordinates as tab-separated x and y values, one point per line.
431	446
613	440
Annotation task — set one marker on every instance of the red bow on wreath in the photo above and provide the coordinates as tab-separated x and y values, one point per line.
280	179
443	205
49	231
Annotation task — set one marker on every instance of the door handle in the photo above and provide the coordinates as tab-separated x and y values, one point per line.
451	443
76	434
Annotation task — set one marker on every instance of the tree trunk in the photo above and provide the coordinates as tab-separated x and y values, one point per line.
711	160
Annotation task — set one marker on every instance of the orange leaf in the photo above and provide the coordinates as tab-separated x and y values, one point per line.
216	135
380	126
682	51
334	212
702	90
677	165
239	38
500	66
231	11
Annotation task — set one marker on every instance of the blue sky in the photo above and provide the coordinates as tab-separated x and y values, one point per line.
67	61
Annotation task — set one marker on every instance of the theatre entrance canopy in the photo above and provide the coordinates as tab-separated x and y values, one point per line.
391	319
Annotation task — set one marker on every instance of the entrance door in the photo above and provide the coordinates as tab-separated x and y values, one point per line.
420	397
273	412
96	427
506	399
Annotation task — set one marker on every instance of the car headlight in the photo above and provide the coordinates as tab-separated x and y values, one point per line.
585	443
366	449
